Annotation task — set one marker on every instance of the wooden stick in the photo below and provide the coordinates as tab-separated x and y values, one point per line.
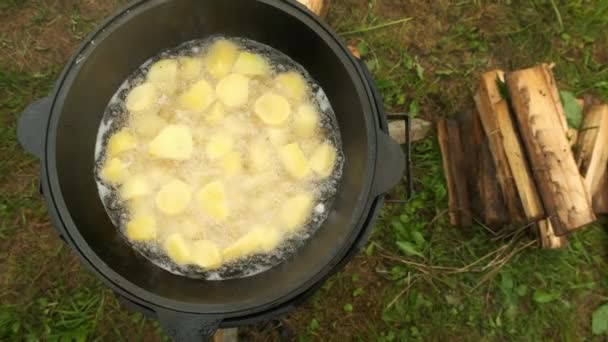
547	237
592	147
453	165
539	111
486	98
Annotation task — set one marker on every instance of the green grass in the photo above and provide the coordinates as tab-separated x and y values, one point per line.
418	278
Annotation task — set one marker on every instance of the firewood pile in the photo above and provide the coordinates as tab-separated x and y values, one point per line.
515	161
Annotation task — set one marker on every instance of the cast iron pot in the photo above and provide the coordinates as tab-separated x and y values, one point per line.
61	129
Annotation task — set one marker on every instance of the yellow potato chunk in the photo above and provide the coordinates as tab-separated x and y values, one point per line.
296	211
206	254
232	163
306	121
292	84
177	249
278	136
269	237
135	186
173	142
219	145
147	124
173	197
142	228
189	229
259	156
114	171
190	68
221	57
197	97
294	161
120	142
250	64
272	109
163	71
142	97
233	90
212	199
323	160
216	114
246	245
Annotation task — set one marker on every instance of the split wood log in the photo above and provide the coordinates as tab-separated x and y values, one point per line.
486	98
600	199
472	136
453	166
541	121
419	129
318	7
547	237
493	209
592	147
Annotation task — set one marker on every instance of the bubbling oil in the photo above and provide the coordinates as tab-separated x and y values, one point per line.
254	198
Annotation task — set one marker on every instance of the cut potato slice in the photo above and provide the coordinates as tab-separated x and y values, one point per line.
173	197
292	84
221	57
233	90
296	211
219	145
163	71
246	245
232	163
190	68
259	156
177	249
294	161
206	254
306	121
212	199
250	64
273	109
147	124
142	97
269	237
142	228
114	171
216	114
120	142
197	97
278	136
173	142
189	229
323	160
134	187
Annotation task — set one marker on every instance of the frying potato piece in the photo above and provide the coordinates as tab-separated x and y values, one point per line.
163	71
247	244
232	163
273	109
177	249
114	171
142	228
197	97
306	122
220	58
212	199
216	114
120	142
278	136
206	254
269	237
323	160
173	142
294	161
296	211
292	84
173	197
250	64
189	229
134	187
190	67
259	156
142	97
147	124
233	90
219	145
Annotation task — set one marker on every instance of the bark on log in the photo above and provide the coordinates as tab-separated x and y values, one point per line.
541	119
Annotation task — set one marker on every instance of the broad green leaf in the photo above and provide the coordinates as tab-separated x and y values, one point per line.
572	110
314	324
408	248
348	307
543	297
599	320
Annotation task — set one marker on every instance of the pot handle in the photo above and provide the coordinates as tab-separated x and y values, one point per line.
31	128
390	161
184	327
